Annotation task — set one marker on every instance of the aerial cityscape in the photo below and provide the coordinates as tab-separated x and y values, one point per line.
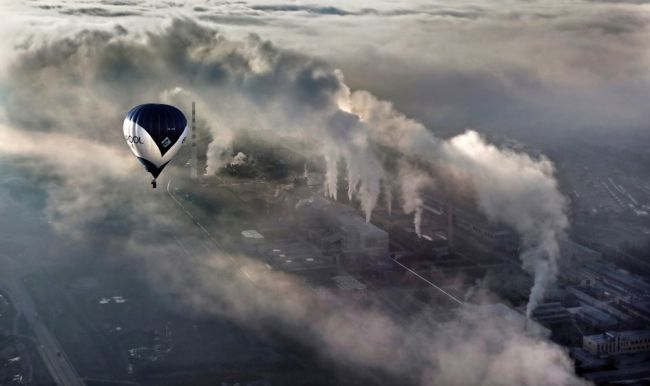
260	193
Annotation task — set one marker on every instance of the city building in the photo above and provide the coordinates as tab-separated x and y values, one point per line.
638	375
494	235
617	280
639	309
585	361
613	343
574	255
282	249
339	230
425	246
252	236
292	254
595	317
550	314
585	296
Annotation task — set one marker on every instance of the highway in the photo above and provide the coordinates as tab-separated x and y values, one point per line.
58	364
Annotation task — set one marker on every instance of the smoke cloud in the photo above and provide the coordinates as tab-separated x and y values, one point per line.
521	192
509	187
77	86
480	345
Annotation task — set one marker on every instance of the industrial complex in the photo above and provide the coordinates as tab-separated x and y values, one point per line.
106	328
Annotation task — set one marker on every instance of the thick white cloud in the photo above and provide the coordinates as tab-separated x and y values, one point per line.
514	67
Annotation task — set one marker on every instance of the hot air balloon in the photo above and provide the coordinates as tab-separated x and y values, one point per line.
155	133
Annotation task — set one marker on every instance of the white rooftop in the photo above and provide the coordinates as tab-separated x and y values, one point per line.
252	234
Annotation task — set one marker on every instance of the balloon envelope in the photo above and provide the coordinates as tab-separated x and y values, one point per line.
155	133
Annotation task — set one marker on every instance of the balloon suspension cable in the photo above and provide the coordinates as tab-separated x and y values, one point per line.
153	183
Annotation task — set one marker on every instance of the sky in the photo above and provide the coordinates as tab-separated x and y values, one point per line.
508	67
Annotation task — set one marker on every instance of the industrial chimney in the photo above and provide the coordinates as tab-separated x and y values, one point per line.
193	161
450	224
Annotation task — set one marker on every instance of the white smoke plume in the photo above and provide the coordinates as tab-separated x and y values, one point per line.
412	184
521	192
364	180
331	173
388	197
509	187
238	159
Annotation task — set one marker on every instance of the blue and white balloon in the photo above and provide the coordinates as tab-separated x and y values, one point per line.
155	134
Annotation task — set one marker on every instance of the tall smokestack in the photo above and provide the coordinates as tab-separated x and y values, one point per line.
450	224
193	162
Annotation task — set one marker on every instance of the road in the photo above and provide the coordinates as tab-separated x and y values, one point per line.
196	221
442	291
58	364
211	245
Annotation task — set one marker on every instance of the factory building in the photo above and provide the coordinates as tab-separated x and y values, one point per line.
595	317
423	246
586	297
608	294
496	236
339	230
574	255
638	309
252	236
613	343
551	314
285	251
473	224
620	283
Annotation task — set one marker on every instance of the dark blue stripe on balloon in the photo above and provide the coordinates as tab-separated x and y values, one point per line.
161	122
151	168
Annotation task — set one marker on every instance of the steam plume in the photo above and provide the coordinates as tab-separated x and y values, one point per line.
509	187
